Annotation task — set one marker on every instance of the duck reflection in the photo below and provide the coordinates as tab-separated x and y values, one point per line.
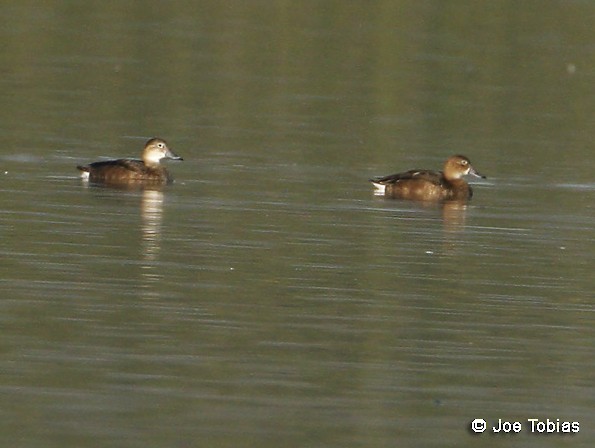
151	210
152	215
454	215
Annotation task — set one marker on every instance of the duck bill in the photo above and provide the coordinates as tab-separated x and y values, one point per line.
171	155
472	172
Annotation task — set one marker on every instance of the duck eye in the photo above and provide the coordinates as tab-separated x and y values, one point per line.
464	162
160	145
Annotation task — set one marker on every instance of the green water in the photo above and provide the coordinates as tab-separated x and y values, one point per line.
267	298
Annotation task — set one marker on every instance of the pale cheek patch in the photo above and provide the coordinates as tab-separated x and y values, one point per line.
154	158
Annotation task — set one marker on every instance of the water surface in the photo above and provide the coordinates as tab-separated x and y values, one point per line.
267	298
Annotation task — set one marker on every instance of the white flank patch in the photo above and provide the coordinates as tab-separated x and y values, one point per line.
379	189
85	175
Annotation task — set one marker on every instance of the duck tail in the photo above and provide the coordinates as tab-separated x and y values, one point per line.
379	188
85	171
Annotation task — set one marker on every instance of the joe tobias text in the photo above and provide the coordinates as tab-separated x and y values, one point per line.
533	425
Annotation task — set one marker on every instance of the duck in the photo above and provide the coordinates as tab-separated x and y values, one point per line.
148	169
428	185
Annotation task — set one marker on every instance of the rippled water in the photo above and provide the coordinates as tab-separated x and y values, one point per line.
267	297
